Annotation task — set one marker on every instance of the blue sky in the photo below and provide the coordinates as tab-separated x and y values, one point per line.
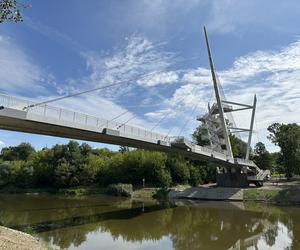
158	48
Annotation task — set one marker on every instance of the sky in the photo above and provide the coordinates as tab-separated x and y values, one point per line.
157	49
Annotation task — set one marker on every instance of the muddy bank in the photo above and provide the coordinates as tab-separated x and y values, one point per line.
15	240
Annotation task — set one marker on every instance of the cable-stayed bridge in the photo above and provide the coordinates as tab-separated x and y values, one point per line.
21	115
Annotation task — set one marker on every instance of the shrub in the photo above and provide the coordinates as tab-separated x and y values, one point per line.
180	170
196	176
20	152
161	194
120	189
5	173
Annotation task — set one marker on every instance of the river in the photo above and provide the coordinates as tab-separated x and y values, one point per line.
105	222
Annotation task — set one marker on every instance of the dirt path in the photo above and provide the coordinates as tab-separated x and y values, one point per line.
15	240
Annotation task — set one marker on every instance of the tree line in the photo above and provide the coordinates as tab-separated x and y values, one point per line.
72	165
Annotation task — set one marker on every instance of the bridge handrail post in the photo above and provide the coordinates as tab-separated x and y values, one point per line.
8	103
59	117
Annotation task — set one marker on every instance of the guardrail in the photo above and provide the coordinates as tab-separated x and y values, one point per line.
98	124
61	114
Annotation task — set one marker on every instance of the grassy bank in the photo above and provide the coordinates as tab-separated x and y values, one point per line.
138	192
77	191
274	195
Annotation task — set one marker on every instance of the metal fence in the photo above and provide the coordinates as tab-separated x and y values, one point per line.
61	114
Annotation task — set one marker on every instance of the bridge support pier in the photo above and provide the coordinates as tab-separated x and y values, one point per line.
228	178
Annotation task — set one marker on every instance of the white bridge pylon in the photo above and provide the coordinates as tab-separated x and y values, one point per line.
218	126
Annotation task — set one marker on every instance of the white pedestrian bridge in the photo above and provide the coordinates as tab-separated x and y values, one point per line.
49	120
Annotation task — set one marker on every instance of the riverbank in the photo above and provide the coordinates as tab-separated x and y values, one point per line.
12	240
138	193
279	192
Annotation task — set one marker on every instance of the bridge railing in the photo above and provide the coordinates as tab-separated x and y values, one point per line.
66	115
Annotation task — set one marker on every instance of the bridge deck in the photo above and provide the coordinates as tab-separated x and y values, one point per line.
49	120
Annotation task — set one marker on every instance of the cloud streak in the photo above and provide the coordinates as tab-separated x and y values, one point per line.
18	73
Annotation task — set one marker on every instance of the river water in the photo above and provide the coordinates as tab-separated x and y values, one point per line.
105	222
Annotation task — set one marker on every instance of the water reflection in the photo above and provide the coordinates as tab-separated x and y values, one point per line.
113	223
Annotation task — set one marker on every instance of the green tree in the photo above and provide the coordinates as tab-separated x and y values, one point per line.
287	137
123	149
262	157
238	146
5	173
21	152
200	136
10	11
180	170
196	175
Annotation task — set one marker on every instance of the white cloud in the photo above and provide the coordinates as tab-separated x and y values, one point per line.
226	16
18	73
156	78
139	60
198	76
161	114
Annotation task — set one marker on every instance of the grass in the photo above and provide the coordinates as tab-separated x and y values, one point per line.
283	196
139	192
260	194
75	191
82	191
120	189
146	192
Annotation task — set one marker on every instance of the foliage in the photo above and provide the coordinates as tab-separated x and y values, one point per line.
5	173
196	176
287	137
180	170
20	152
238	146
123	149
73	165
262	157
200	136
10	11
161	194
120	189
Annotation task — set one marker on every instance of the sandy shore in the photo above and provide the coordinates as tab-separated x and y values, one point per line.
12	239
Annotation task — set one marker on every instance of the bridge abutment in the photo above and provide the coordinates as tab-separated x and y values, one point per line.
231	179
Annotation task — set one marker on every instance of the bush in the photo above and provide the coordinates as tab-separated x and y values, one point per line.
20	152
195	176
180	170
120	189
5	173
161	194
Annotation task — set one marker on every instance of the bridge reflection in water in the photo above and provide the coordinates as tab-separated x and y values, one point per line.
106	222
